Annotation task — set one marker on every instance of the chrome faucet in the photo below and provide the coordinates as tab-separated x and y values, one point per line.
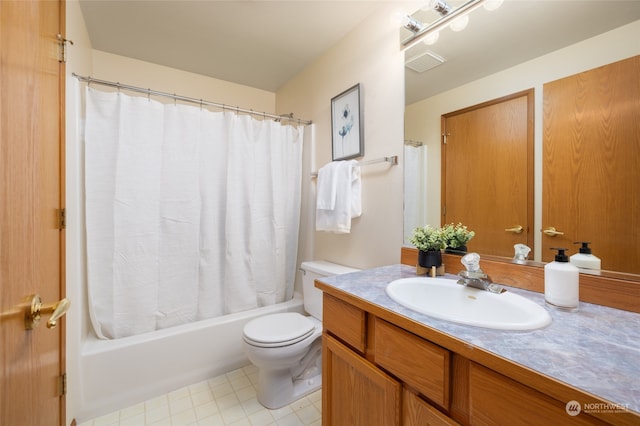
474	277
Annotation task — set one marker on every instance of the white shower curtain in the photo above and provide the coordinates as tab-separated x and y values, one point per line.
415	187
190	214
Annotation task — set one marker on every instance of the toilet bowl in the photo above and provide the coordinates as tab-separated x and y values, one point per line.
287	347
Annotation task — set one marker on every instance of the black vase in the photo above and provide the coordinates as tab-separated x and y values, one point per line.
458	250
430	258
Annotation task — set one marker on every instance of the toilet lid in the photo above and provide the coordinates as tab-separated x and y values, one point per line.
271	330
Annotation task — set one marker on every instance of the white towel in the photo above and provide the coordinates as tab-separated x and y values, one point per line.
338	196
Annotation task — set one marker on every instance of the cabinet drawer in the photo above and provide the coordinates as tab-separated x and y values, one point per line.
497	399
420	364
344	321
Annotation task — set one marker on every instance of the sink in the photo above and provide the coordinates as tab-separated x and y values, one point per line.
446	300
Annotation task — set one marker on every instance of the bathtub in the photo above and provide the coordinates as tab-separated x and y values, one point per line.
119	373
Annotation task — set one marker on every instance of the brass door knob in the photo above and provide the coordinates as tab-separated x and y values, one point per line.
551	231
37	308
516	229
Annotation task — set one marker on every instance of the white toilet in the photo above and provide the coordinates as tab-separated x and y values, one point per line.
286	347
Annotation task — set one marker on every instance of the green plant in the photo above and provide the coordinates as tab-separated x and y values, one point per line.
455	236
427	238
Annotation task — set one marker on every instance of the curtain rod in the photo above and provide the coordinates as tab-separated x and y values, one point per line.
149	92
393	160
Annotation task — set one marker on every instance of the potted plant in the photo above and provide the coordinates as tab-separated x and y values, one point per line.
429	241
456	237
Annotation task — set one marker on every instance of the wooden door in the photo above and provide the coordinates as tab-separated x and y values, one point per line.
354	391
31	243
591	164
487	172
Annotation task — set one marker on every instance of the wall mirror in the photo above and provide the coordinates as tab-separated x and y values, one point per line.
493	41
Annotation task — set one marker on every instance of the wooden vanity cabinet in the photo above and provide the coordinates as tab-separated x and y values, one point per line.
365	378
377	373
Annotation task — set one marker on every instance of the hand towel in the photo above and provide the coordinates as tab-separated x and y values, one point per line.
338	196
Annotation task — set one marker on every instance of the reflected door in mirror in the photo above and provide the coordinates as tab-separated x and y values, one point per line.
591	164
487	172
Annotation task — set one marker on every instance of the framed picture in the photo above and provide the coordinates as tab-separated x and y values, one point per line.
347	136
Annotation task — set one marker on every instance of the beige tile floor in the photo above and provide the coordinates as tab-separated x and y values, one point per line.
229	399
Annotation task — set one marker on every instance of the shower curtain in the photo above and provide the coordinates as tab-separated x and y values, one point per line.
415	188
190	214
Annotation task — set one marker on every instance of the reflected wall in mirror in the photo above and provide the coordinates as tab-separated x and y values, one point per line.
477	70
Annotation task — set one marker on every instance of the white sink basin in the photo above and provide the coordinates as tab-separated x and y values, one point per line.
445	299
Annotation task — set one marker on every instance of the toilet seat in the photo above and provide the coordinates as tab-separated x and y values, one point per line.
278	330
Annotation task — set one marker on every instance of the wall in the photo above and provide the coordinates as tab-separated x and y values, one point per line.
107	66
371	56
78	61
422	119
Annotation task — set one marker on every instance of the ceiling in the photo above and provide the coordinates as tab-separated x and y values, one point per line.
263	44
258	43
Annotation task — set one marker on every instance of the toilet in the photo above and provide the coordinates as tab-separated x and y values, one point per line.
287	347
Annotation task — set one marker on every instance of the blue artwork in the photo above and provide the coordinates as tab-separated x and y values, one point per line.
346	126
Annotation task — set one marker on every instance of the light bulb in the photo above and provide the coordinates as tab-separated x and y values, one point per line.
431	38
460	23
492	4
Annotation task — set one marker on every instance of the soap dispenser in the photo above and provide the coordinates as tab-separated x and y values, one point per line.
521	253
561	282
585	259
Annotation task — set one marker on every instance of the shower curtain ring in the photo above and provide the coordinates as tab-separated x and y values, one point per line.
149	94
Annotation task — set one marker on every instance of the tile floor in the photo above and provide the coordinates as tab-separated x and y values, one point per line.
229	399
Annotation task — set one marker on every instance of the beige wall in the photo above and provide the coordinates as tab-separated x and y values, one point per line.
371	56
107	66
79	62
422	119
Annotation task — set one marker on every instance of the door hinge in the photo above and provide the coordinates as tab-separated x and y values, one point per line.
444	210
444	137
62	42
62	219
62	385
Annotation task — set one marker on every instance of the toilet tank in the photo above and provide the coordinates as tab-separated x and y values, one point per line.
311	270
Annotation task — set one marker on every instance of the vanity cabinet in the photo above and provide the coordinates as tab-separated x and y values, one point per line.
376	372
355	392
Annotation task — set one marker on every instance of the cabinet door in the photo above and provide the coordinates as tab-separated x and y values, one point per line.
354	391
417	412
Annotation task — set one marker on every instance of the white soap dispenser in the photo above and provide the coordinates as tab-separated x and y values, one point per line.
561	282
585	259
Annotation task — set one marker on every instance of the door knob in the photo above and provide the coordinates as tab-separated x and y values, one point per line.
37	308
551	231
516	229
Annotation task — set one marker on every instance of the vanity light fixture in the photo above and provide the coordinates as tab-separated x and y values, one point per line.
412	24
448	16
440	6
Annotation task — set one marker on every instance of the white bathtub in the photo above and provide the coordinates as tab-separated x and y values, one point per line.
119	373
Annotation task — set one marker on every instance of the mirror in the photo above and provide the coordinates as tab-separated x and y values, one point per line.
500	53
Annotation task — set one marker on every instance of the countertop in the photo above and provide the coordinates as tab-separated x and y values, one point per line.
596	349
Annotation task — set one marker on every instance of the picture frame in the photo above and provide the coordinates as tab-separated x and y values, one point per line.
347	133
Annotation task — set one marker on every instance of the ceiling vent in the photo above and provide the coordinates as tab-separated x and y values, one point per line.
424	62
